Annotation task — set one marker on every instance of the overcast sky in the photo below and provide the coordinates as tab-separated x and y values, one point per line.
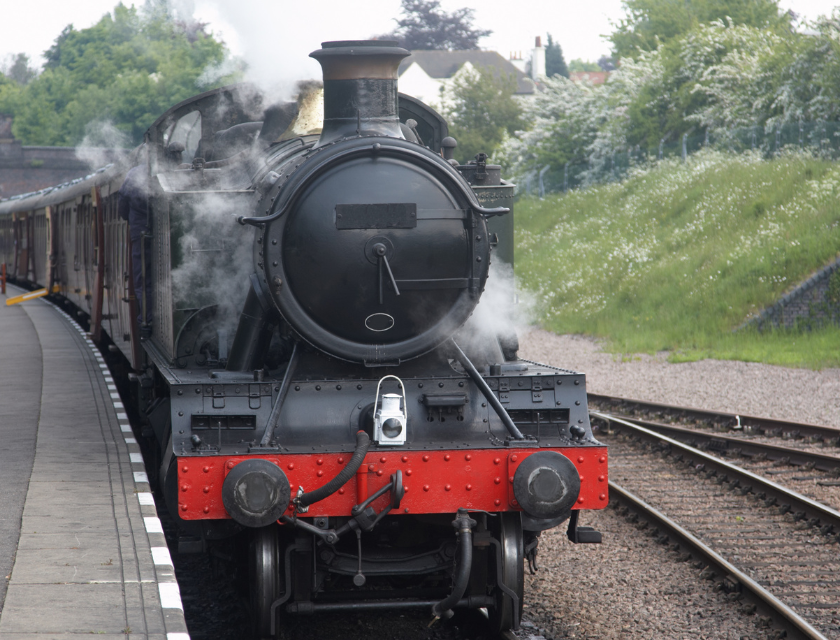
276	36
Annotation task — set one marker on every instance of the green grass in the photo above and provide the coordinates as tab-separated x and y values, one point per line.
676	257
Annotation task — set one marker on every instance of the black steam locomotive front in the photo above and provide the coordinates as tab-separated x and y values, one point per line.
374	249
352	462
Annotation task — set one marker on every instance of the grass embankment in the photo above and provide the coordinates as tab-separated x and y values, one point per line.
677	256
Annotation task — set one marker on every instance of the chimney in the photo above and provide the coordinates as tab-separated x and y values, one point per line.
538	61
360	88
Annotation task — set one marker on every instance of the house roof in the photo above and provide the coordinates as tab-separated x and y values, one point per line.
595	77
444	64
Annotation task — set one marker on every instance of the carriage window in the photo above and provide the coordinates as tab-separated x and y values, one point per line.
187	131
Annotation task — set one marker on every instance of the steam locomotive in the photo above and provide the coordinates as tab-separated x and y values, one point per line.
313	374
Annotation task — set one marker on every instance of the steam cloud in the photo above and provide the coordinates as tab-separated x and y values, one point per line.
274	39
216	258
503	310
103	144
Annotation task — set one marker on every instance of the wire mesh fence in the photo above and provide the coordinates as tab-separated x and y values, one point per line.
821	138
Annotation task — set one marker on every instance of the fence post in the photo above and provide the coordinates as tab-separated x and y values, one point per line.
542	186
661	142
566	177
684	148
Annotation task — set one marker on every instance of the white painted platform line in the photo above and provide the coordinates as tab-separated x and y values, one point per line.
125	428
161	556
136	457
153	524
130	441
122	416
177	636
170	595
140	476
146	499
118	405
115	396
111	387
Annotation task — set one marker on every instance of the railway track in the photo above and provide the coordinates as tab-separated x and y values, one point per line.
763	542
809	463
749	425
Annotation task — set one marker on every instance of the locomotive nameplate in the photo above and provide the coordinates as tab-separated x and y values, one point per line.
395	215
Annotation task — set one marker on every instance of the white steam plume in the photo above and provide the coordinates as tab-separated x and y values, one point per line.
275	38
216	258
503	310
103	144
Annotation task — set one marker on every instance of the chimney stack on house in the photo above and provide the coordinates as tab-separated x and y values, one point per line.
538	61
517	60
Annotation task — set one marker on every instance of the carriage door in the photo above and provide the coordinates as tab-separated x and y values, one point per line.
52	248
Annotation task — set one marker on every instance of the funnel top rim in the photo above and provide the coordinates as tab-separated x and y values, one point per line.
333	44
360	48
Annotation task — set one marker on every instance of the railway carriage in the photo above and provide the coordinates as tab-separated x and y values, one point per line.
314	378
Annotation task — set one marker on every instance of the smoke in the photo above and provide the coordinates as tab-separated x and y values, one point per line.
103	144
503	312
275	39
212	74
216	259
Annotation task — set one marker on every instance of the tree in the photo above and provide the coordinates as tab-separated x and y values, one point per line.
577	65
17	68
606	63
717	82
555	64
119	75
424	25
649	23
481	110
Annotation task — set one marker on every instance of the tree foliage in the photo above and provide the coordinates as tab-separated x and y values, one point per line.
712	81
481	110
117	76
424	25
649	23
555	64
18	69
577	65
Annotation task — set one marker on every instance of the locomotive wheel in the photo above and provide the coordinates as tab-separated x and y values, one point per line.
264	578
508	530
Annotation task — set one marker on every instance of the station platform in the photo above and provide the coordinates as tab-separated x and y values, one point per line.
82	550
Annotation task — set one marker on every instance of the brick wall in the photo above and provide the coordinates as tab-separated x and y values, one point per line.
26	169
813	303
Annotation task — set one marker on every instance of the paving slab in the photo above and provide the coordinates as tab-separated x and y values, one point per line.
73	636
20	400
75	540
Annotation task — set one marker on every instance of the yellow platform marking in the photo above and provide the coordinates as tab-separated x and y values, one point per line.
38	293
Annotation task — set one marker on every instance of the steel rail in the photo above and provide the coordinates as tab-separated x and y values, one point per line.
766	602
750	448
767	425
749	481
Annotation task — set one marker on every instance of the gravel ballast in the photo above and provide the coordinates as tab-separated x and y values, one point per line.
799	395
630	586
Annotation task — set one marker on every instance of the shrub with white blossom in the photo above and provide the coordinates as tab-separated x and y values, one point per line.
713	83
